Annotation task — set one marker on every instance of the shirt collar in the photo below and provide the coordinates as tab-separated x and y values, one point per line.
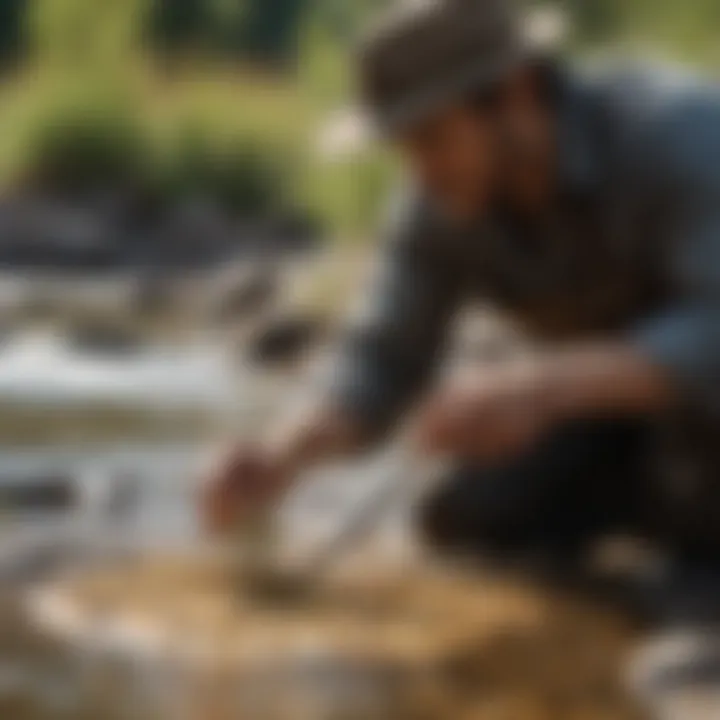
579	139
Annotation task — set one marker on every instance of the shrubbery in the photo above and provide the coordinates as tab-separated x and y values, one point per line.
13	31
239	176
91	108
84	149
77	150
259	29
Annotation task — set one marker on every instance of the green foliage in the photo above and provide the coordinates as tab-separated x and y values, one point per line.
78	149
257	29
227	26
177	24
239	176
81	36
13	31
348	196
595	21
688	30
272	28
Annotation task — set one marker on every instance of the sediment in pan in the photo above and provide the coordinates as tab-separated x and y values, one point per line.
426	645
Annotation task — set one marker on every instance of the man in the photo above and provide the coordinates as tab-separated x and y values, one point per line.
586	206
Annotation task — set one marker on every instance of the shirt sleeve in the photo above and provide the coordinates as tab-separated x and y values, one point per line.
685	338
393	346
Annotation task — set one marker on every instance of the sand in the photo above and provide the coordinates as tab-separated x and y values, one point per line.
424	645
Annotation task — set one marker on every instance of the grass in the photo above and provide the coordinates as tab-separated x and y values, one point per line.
224	109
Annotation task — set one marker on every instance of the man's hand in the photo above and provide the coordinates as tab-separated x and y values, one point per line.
493	413
249	479
244	483
487	415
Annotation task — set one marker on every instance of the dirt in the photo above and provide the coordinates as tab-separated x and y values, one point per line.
445	645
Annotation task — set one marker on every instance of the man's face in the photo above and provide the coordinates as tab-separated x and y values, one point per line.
452	156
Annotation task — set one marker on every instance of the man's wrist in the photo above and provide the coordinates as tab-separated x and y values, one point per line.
312	438
583	380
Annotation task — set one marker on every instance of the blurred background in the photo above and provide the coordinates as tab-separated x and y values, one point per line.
181	230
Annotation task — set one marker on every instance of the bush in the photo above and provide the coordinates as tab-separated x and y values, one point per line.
272	28
177	25
241	177
79	149
258	29
13	31
85	37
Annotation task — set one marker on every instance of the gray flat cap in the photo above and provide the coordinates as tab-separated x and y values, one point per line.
424	53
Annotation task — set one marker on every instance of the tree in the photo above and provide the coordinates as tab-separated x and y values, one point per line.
178	24
13	30
271	29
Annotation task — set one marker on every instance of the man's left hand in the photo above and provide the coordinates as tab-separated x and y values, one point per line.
489	414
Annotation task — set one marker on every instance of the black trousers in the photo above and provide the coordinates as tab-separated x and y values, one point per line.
584	480
588	480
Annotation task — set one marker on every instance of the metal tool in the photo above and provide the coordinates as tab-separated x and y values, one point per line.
269	581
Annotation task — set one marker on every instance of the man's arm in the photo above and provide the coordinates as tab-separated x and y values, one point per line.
669	360
498	412
611	377
684	340
389	352
386	359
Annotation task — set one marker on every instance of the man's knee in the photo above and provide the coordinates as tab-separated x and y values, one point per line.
536	499
465	516
435	524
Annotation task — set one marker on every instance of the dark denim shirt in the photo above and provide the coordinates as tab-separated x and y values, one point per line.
630	249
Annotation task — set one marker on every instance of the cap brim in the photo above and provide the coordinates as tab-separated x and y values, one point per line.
353	129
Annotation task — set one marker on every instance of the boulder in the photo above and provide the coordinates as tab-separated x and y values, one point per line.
283	340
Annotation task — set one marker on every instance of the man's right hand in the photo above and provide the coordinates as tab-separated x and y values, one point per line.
250	479
245	482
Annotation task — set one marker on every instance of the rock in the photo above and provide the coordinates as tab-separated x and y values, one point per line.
289	232
194	234
294	232
124	496
245	295
284	340
51	493
104	339
151	295
44	234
